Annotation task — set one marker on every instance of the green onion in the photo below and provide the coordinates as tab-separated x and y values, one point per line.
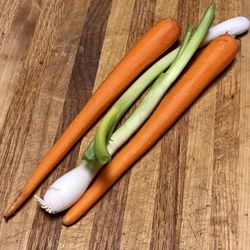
113	116
185	40
152	98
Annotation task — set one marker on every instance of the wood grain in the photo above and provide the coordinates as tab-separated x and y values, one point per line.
191	191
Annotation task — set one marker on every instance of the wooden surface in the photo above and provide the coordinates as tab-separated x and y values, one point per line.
191	191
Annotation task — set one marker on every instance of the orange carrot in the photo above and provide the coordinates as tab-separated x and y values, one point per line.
213	59
152	44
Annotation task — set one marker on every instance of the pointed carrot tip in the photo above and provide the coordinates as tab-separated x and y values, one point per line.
8	213
6	218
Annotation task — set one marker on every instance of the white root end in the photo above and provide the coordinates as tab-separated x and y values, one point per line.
234	27
44	205
66	190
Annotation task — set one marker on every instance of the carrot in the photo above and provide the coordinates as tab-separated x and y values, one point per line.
152	44
205	68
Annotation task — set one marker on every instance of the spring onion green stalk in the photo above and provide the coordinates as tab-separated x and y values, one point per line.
156	92
113	116
185	40
66	190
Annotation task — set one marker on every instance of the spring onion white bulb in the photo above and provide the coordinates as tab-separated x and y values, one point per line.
66	190
234	26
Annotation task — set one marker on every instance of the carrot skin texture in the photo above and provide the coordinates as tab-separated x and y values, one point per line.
213	59
152	44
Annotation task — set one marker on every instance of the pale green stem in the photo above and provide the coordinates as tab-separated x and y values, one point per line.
127	99
155	93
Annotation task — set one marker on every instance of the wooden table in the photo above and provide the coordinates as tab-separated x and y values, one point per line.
191	191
